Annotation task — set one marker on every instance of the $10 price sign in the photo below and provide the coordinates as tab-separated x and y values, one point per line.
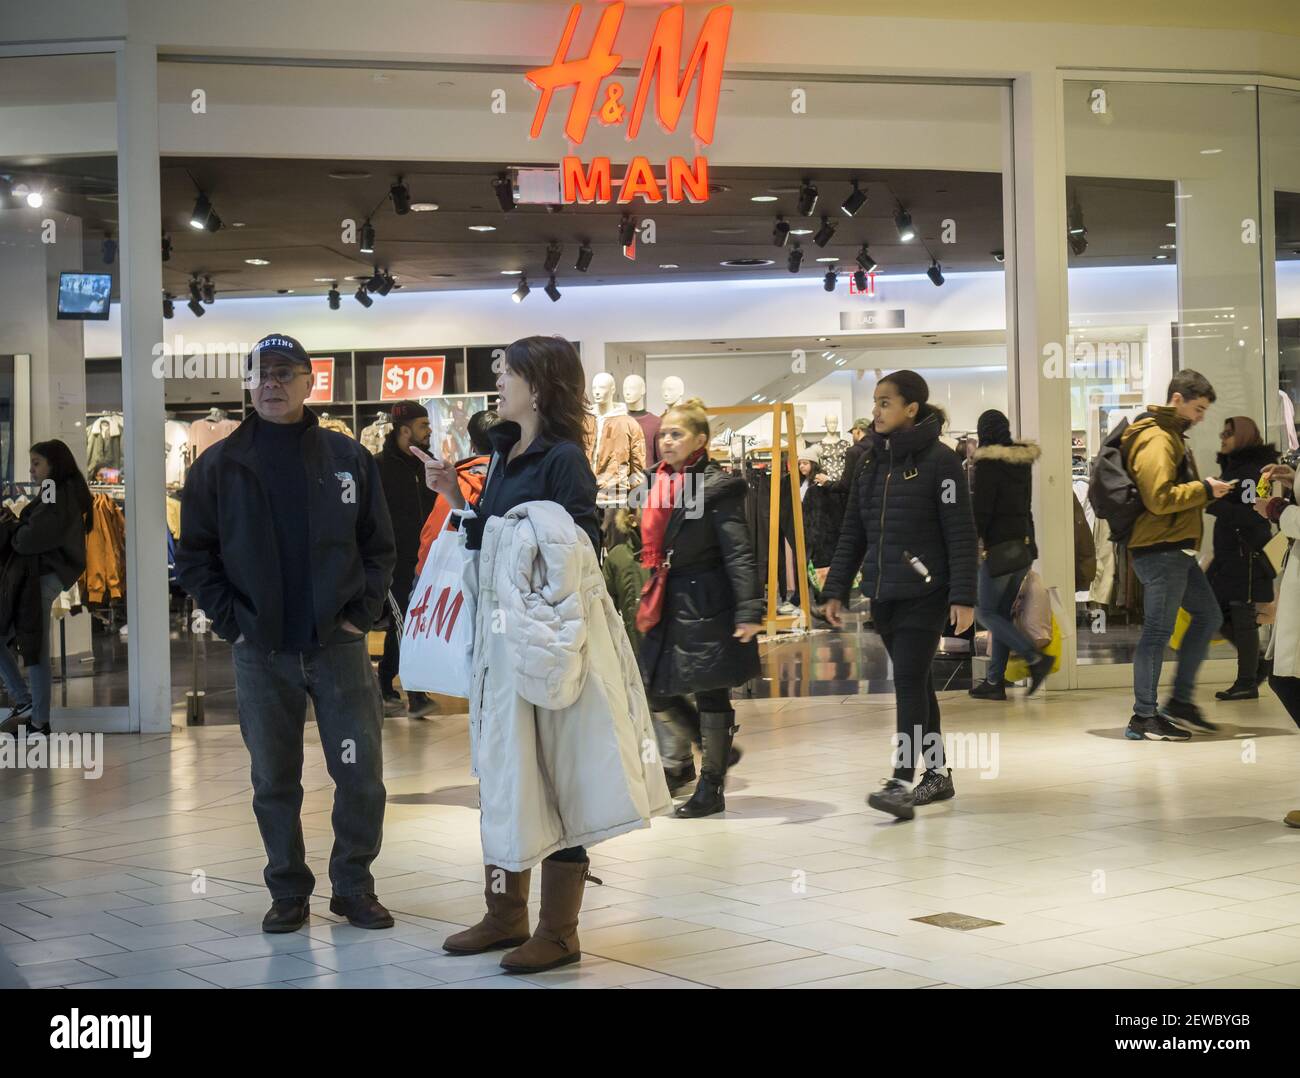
409	377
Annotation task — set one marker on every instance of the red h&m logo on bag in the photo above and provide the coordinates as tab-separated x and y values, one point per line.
418	625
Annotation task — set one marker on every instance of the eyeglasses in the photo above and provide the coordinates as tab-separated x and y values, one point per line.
282	374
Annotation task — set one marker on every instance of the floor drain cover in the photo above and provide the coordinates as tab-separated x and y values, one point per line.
962	922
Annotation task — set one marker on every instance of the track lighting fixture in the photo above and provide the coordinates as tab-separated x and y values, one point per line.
860	280
584	258
1076	231
856	200
169	308
334	298
521	293
367	238
866	261
826	233
903	222
551	290
110	250
505	192
999	256
362	296
166	247
807	199
553	253
626	229
935	273
794	259
830	280
401	196
197	307
387	285
780	232
204	217
196	289
209	291
375	281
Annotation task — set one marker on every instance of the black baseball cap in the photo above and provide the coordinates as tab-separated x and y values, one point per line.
407	411
280	344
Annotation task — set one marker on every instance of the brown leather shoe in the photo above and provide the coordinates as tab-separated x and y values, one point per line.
506	922
1292	819
555	943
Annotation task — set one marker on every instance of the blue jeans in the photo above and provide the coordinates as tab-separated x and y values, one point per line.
39	672
271	689
1171	579
997	595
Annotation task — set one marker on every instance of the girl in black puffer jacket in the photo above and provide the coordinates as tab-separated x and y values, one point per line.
1241	574
702	606
908	526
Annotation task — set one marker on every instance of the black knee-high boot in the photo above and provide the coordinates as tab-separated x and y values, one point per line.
1244	636
716	731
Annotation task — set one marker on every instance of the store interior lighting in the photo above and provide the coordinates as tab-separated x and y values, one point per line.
935	273
551	290
553	253
860	279
197	307
903	222
504	189
807	199
387	284
169	308
401	196
166	247
780	232
204	217
584	258
367	238
376	281
826	233
334	298
866	261
856	200
521	293
626	229
830	280
794	259
209	291
362	296
109	250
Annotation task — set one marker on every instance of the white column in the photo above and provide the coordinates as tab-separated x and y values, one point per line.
139	222
1038	311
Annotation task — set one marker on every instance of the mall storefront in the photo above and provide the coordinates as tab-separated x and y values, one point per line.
1092	231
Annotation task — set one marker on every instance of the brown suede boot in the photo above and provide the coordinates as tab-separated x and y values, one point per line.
506	922
555	943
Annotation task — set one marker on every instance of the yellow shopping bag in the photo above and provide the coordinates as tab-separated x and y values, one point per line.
1181	622
1018	669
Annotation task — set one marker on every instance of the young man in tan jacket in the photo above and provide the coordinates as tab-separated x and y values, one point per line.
1164	546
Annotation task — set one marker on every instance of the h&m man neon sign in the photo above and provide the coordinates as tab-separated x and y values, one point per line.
683	180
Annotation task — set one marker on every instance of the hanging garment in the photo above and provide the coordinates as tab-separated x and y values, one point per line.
174	515
105	576
67	602
103	443
206	432
372	436
616	448
649	423
831	453
1288	420
330	422
176	439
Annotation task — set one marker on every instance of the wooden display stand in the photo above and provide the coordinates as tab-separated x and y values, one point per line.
783	447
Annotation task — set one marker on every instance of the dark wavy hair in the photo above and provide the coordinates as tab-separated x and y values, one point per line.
553	371
65	472
915	390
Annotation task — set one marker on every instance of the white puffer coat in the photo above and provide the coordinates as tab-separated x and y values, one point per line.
560	731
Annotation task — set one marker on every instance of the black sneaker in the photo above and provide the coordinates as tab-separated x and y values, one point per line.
1186	715
934	786
1154	728
19	716
1239	690
418	705
989	690
894	798
1038	673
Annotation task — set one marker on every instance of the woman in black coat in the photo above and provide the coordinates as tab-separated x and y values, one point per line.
1003	474
908	527
50	534
1241	574
702	607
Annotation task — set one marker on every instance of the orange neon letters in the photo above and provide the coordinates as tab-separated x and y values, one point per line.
663	60
591	186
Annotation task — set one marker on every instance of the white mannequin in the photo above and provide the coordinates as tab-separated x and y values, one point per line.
833	428
674	389
800	442
634	392
602	393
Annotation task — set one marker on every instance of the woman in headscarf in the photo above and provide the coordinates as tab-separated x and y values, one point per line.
1241	574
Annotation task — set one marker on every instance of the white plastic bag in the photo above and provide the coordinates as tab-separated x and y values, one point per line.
1032	612
438	630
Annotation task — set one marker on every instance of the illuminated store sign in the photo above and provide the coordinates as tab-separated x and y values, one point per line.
593	182
322	381
408	377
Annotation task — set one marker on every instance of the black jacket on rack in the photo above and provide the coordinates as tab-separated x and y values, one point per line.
909	495
1241	571
410	501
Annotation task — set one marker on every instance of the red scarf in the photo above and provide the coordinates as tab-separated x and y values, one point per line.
665	490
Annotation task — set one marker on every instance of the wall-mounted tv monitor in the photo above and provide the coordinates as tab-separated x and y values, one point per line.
85	296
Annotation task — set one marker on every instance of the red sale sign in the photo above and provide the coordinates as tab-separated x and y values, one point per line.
410	377
322	381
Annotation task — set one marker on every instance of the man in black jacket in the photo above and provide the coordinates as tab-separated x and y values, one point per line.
409	503
287	547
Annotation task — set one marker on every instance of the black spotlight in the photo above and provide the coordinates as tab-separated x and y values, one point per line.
553	252
362	296
807	199
209	291
584	258
387	285
204	216
367	238
780	232
826	233
830	280
1078	240
196	290
401	196
860	280
866	261
794	259
197	307
110	250
551	290
169	308
903	222
166	248
375	282
505	192
334	298
935	273
521	293
999	256
626	229
856	200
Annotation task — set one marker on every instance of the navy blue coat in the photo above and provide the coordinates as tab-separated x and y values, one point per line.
909	495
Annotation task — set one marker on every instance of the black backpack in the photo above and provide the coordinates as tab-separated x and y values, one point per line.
1112	493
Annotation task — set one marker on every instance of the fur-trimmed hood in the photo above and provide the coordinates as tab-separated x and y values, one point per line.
1025	453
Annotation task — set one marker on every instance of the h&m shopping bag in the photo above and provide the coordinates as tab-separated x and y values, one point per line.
438	631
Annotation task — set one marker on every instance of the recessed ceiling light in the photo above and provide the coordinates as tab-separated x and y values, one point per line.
511	273
1159	257
763	198
482	228
727	231
1216	150
257	261
1171	224
801	231
828	260
236	224
669	265
349	174
324	280
1168	246
746	263
423	207
823	338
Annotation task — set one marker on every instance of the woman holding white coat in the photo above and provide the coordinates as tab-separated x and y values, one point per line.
560	732
1284	644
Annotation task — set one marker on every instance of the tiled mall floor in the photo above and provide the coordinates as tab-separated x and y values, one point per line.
1106	862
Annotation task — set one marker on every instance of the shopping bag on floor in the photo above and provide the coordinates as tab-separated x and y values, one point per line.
438	631
1018	669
